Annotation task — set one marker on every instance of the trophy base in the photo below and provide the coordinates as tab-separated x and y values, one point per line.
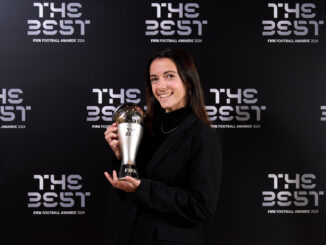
128	170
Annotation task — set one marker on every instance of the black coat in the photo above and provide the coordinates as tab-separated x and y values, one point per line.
178	191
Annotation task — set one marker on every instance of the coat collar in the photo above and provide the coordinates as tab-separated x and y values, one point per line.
170	142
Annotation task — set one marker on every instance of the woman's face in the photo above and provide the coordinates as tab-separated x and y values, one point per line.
167	85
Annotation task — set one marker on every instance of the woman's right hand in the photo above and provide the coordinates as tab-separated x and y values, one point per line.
111	136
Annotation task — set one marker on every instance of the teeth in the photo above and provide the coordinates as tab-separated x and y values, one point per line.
165	95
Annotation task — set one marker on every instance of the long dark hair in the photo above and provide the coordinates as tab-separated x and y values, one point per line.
188	73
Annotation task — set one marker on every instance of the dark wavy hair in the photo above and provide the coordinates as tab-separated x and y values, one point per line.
189	75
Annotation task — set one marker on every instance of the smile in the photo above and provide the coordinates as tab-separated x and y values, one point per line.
166	95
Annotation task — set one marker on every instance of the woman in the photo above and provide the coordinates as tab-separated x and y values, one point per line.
179	159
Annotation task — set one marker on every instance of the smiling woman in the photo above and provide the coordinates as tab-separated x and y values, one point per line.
179	159
183	68
167	86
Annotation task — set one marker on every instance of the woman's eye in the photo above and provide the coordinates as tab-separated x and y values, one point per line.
154	79
170	76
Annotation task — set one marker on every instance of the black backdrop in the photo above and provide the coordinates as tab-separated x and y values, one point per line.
264	93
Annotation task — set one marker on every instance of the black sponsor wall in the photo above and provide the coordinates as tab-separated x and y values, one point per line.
65	66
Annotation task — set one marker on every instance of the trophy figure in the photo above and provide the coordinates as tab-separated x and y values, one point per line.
130	120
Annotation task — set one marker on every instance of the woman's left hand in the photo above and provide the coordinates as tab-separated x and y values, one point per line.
128	184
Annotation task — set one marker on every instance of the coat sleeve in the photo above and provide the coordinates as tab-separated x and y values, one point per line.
196	201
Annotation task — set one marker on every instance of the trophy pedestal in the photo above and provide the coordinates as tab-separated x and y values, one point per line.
128	170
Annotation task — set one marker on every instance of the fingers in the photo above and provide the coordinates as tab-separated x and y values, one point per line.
112	139
114	144
111	129
111	136
115	179
111	132
108	176
128	184
134	182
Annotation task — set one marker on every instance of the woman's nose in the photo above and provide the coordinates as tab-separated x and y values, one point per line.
162	83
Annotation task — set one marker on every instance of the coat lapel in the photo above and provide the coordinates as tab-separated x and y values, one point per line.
170	142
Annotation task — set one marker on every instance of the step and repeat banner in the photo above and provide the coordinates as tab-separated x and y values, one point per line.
66	65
